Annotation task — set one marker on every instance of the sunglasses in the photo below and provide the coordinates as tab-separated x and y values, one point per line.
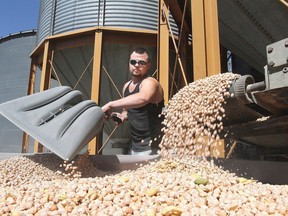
140	62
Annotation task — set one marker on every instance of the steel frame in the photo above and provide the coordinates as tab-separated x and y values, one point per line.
42	57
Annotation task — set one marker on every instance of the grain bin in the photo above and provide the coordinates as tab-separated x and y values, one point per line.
14	74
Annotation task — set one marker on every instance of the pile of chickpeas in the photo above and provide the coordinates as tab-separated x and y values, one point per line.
181	182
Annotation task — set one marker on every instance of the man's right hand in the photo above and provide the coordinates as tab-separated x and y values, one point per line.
117	117
107	111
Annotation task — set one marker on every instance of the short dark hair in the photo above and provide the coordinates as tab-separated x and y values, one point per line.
141	50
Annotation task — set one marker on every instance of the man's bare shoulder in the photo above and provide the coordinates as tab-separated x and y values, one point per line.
151	81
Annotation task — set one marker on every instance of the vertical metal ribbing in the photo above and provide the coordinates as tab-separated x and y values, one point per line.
59	16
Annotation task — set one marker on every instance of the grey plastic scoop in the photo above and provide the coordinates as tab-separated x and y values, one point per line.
58	118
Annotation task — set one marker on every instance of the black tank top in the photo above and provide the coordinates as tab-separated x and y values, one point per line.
145	123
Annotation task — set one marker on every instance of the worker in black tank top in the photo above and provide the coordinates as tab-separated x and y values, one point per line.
145	124
142	105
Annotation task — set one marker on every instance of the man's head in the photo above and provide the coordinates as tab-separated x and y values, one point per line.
139	63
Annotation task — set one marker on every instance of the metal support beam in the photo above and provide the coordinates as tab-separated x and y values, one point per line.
46	68
45	81
178	14
206	47
212	37
30	90
163	49
205	37
95	88
213	63
198	40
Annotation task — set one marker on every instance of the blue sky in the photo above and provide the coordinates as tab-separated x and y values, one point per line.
18	15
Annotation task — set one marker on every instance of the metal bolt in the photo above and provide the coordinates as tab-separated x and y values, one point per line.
271	63
286	43
270	49
285	69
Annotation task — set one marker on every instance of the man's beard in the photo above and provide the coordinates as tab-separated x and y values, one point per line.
136	74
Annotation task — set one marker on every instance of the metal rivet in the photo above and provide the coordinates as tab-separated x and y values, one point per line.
270	49
286	43
285	70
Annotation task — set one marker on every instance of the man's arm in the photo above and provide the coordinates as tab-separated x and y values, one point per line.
146	93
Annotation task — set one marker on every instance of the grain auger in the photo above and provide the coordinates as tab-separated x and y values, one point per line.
257	112
265	98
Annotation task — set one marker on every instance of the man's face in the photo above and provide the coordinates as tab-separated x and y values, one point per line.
138	64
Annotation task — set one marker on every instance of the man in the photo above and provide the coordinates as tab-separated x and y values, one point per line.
142	105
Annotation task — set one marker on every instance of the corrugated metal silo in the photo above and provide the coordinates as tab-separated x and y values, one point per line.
14	74
58	16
